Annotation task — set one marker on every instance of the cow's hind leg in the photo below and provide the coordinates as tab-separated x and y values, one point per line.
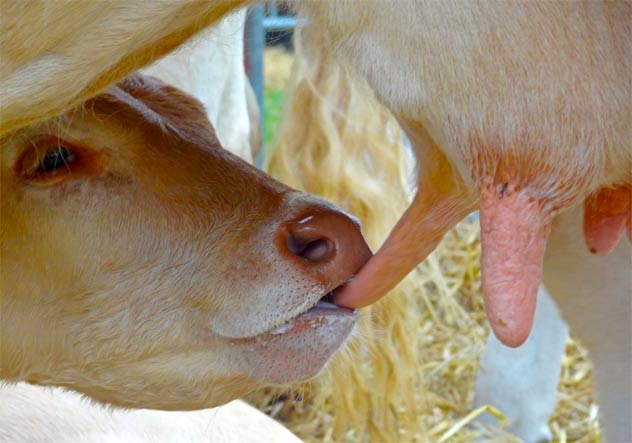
522	382
594	294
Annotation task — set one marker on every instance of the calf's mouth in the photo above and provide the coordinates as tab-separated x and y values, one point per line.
325	308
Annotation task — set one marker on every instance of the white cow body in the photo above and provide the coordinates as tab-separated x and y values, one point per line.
211	68
531	95
505	113
32	414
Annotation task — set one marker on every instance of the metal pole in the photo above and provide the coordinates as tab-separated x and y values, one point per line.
255	43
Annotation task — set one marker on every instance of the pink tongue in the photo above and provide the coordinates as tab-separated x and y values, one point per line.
607	212
514	231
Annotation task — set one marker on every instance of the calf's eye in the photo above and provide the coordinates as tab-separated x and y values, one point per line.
55	158
48	160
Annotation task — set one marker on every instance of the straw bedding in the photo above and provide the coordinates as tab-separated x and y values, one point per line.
408	373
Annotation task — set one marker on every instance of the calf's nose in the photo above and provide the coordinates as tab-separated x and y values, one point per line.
325	242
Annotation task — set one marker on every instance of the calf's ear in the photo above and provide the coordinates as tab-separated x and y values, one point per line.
161	104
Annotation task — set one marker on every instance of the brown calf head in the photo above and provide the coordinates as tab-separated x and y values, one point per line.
145	266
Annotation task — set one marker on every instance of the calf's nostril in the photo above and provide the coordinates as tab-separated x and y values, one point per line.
318	250
314	251
324	243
